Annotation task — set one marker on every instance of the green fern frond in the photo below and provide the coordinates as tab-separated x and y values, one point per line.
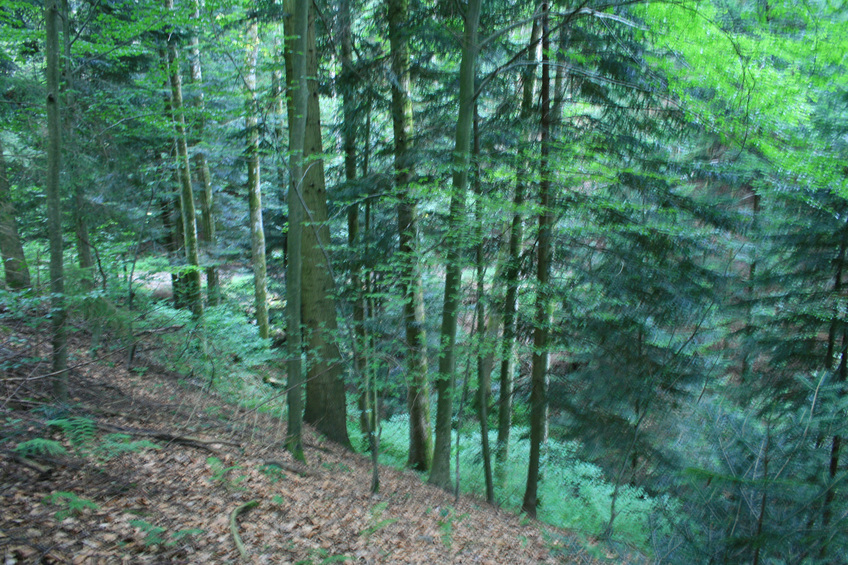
40	446
79	430
115	445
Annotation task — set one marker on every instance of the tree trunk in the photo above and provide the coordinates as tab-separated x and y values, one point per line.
296	32
484	359
326	406
14	263
81	231
201	165
348	83
58	313
254	189
412	286
189	215
455	241
513	267
539	372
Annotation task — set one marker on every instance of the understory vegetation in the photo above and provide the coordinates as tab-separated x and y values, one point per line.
584	260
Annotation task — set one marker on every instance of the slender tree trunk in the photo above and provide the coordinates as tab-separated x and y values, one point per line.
58	313
412	287
201	165
81	231
326	406
189	215
484	364
538	390
455	242
353	236
254	189
513	266
296	32
14	263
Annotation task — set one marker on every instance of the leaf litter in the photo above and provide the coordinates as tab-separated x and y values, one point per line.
173	504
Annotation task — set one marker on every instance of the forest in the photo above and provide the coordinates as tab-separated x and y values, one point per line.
580	259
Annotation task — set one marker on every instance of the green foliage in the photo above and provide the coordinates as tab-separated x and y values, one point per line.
221	474
273	472
155	535
446	520
115	445
71	503
79	431
40	446
377	520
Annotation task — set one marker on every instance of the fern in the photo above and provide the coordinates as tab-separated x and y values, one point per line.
115	445
40	446
154	533
74	505
79	431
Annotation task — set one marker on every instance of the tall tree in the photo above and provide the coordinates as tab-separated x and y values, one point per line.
254	185
81	230
296	42
11	250
58	314
541	320
188	212
326	406
412	286
455	242
201	163
513	262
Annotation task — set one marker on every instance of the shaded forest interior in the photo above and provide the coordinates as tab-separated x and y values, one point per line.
581	260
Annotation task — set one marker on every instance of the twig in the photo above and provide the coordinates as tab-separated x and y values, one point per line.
234	526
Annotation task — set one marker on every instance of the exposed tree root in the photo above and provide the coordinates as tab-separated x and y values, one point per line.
234	526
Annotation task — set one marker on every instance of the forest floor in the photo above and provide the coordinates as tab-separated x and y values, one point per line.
109	499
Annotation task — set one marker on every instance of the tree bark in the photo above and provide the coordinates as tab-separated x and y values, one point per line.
81	231
326	406
14	262
296	32
412	286
201	165
189	215
539	372
513	267
254	188
484	360
455	242
58	313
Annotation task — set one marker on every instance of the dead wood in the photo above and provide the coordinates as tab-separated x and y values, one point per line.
234	526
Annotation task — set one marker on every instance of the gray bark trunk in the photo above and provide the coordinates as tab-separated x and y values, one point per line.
539	372
201	165
254	189
455	241
58	313
326	406
412	287
189	215
513	267
296	31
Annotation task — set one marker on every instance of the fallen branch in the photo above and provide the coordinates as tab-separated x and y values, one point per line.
234	526
191	441
43	470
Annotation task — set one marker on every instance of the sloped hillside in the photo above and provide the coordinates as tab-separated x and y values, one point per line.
146	467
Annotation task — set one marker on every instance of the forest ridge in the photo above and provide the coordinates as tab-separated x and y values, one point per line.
583	259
